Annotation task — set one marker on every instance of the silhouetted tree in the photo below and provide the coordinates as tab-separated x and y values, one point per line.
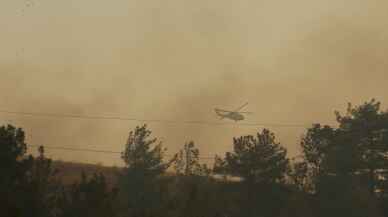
343	171
262	164
40	187
139	155
14	164
257	159
315	147
190	197
90	197
299	176
143	157
187	162
27	185
367	126
338	160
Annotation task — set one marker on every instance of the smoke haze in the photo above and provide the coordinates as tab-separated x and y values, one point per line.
294	62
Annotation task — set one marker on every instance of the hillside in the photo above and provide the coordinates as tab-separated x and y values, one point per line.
70	172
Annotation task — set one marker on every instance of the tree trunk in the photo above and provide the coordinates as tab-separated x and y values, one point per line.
372	182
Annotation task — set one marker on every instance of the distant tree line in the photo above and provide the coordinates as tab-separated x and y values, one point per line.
342	171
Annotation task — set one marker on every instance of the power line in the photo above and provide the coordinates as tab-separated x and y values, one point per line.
77	149
119	118
98	151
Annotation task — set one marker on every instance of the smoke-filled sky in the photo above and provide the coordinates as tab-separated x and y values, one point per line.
295	62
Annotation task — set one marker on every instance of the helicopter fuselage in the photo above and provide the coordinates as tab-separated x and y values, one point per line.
231	115
235	116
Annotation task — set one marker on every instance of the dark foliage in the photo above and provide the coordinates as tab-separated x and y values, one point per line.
257	159
343	171
89	197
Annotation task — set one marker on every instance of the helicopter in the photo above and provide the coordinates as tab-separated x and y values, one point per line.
234	115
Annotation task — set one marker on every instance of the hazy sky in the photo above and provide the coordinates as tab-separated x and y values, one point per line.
295	62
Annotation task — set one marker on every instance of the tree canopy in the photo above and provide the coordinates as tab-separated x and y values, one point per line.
256	159
342	171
